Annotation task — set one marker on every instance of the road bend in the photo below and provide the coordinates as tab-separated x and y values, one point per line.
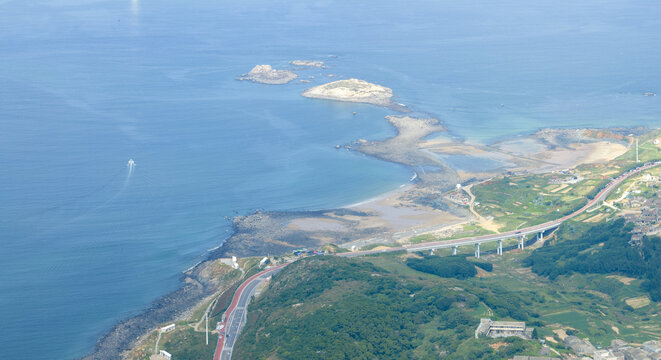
540	228
235	315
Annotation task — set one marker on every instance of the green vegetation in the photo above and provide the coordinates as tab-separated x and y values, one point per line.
523	201
450	267
188	344
327	308
467	230
600	249
647	151
336	308
520	201
333	249
423	238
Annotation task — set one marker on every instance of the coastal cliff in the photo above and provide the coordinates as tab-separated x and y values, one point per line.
352	90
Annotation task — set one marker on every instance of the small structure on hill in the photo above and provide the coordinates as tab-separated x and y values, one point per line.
168	328
653	346
496	329
165	354
581	347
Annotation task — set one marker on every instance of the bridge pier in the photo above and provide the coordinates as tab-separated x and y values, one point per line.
432	251
522	242
540	236
477	250
500	247
454	250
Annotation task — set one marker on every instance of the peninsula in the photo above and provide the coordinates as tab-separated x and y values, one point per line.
352	90
265	74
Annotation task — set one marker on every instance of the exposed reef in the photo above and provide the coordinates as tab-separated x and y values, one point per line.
318	64
404	147
278	232
265	74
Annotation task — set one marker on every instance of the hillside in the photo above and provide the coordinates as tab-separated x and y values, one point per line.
600	249
336	308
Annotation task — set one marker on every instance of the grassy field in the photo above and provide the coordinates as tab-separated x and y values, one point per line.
520	201
593	305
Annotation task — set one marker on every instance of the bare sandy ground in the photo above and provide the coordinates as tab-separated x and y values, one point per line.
577	154
398	214
419	207
315	224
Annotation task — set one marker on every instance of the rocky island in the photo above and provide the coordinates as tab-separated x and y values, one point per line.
352	90
265	74
319	64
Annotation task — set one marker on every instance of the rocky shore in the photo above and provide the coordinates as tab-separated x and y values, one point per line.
265	74
197	284
395	218
272	233
317	64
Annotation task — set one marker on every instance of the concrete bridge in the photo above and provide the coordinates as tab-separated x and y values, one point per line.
521	234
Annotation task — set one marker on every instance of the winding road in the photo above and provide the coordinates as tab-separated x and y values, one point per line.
236	313
601	196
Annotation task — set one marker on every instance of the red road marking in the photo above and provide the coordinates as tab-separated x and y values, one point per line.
230	309
615	182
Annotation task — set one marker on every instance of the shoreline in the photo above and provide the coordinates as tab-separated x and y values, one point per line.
122	336
402	188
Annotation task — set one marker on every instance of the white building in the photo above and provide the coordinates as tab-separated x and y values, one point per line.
653	346
165	354
168	328
604	355
495	329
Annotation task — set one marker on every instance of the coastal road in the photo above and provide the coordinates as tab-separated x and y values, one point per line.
235	315
236	312
601	196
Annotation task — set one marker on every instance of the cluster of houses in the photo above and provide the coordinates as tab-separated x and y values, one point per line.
299	252
648	222
620	350
459	197
584	350
567	176
573	179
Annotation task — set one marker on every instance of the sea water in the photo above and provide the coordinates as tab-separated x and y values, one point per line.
86	85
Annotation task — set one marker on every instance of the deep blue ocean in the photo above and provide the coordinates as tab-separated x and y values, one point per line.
86	85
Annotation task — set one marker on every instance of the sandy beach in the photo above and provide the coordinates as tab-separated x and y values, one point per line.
414	209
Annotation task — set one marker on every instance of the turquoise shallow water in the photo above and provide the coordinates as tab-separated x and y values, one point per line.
86	85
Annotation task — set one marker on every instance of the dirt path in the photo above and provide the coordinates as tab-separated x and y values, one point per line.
487	224
211	304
